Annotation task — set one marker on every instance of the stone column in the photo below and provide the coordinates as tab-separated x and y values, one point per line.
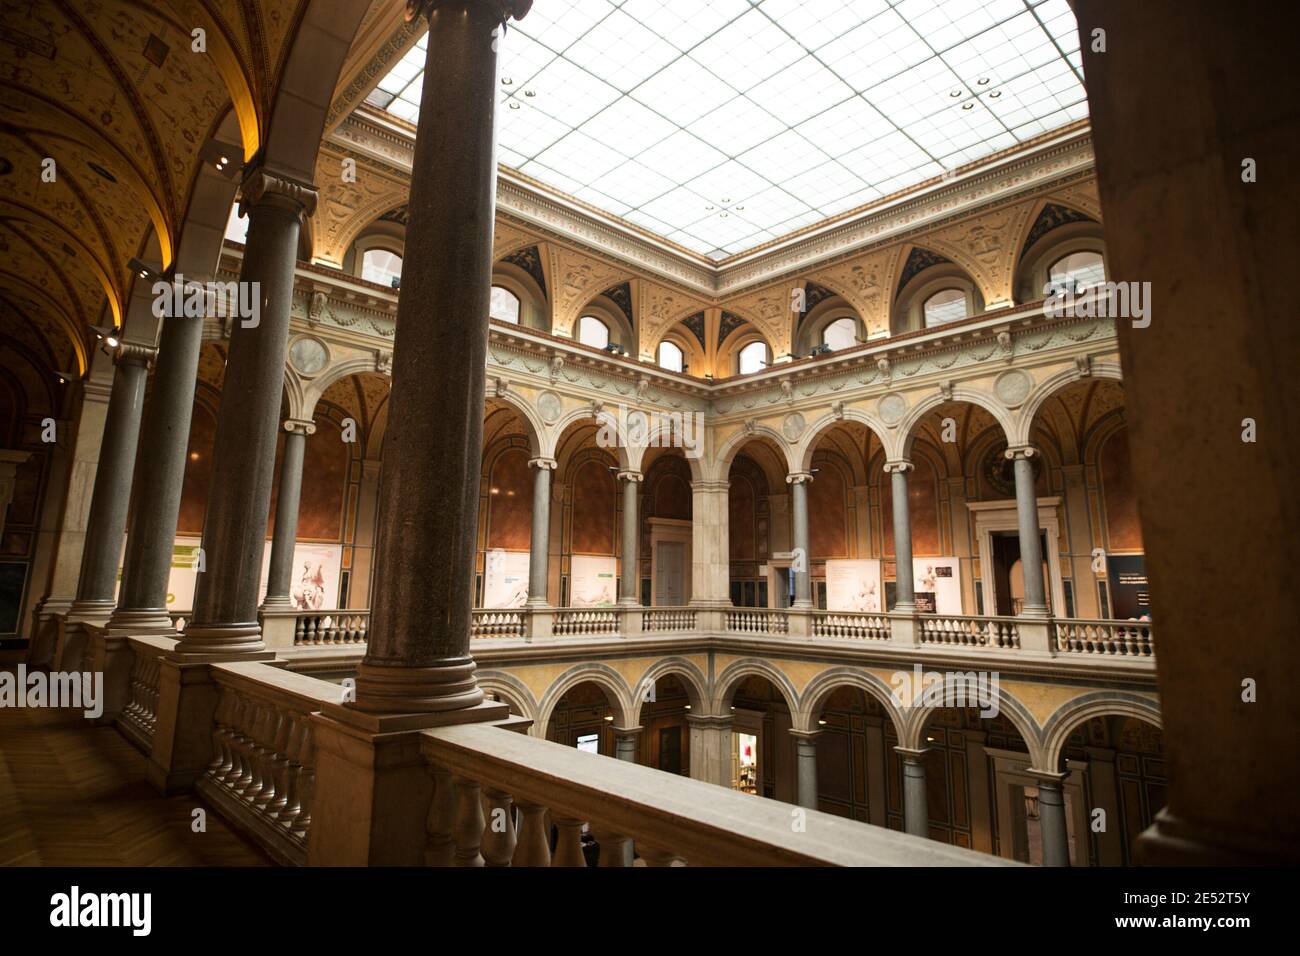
916	812
1051	818
286	512
164	439
10	459
904	593
110	500
631	596
243	459
805	753
1031	546
798	483
710	554
710	748
417	658
626	740
539	541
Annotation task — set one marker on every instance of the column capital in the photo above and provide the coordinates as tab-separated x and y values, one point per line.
298	426
806	736
261	186
898	465
912	755
134	353
1048	777
799	478
704	484
549	464
504	9
1020	451
632	476
721	721
626	731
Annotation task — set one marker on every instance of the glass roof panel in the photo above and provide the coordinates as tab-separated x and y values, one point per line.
727	124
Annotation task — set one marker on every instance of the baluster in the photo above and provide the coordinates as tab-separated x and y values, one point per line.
298	631
499	838
245	746
468	828
271	758
534	845
288	742
286	806
656	857
568	844
306	783
615	849
438	846
220	724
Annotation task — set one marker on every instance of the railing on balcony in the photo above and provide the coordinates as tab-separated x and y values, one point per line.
483	773
850	625
757	621
494	623
331	627
1107	638
970	631
582	622
668	619
139	717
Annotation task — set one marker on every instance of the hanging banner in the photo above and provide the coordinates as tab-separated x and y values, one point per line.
1130	595
592	580
505	578
939	580
853	585
313	578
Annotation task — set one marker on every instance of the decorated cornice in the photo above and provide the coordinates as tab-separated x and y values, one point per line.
1055	162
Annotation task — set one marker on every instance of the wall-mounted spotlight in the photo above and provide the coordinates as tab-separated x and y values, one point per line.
143	270
222	157
110	337
67	377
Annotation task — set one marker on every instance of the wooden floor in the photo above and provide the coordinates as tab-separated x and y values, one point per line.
72	794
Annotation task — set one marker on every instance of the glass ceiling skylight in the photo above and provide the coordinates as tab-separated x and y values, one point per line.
723	124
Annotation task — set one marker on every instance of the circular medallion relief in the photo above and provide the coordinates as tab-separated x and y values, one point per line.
892	408
308	355
1013	387
793	426
548	406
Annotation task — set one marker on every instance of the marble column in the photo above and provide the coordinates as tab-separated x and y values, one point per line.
539	540
164	440
916	812
226	596
798	483
286	512
904	593
631	584
805	755
626	740
417	658
110	500
1051	819
1031	545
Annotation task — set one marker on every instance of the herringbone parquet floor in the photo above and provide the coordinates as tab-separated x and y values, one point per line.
72	794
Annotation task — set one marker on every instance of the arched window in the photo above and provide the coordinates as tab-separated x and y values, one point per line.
381	266
670	357
840	334
593	332
946	306
1077	272
752	358
505	305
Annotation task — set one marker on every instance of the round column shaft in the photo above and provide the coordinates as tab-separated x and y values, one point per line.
631	540
1051	820
1031	545
805	747
799	525
905	594
286	512
539	541
916	812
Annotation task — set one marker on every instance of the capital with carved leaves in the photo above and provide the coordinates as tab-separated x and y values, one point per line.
504	9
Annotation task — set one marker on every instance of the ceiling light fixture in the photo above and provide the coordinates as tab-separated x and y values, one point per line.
995	94
967	106
66	377
143	270
983	81
955	93
222	157
514	104
506	81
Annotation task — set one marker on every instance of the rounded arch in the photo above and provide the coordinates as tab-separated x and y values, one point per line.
905	433
725	684
1023	423
803	452
728	353
514	692
1035	260
602	675
821	316
913	735
1056	731
533	426
908	312
551	437
534	312
661	434
732	445
827	682
686	671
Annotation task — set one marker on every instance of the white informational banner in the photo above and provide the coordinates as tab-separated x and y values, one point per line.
592	580
940	578
505	578
853	585
184	574
313	577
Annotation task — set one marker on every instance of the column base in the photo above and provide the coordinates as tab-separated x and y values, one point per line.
216	642
447	686
371	797
1172	841
142	622
71	644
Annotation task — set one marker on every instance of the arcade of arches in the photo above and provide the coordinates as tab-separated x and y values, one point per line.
840	513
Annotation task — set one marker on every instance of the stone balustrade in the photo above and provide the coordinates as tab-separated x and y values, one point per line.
139	718
488	622
659	619
263	754
757	621
331	627
582	622
853	626
970	631
497	795
1107	638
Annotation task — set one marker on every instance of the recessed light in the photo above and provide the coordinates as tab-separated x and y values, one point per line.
955	93
514	104
726	201
995	94
740	209
983	81
506	81
530	92
967	106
